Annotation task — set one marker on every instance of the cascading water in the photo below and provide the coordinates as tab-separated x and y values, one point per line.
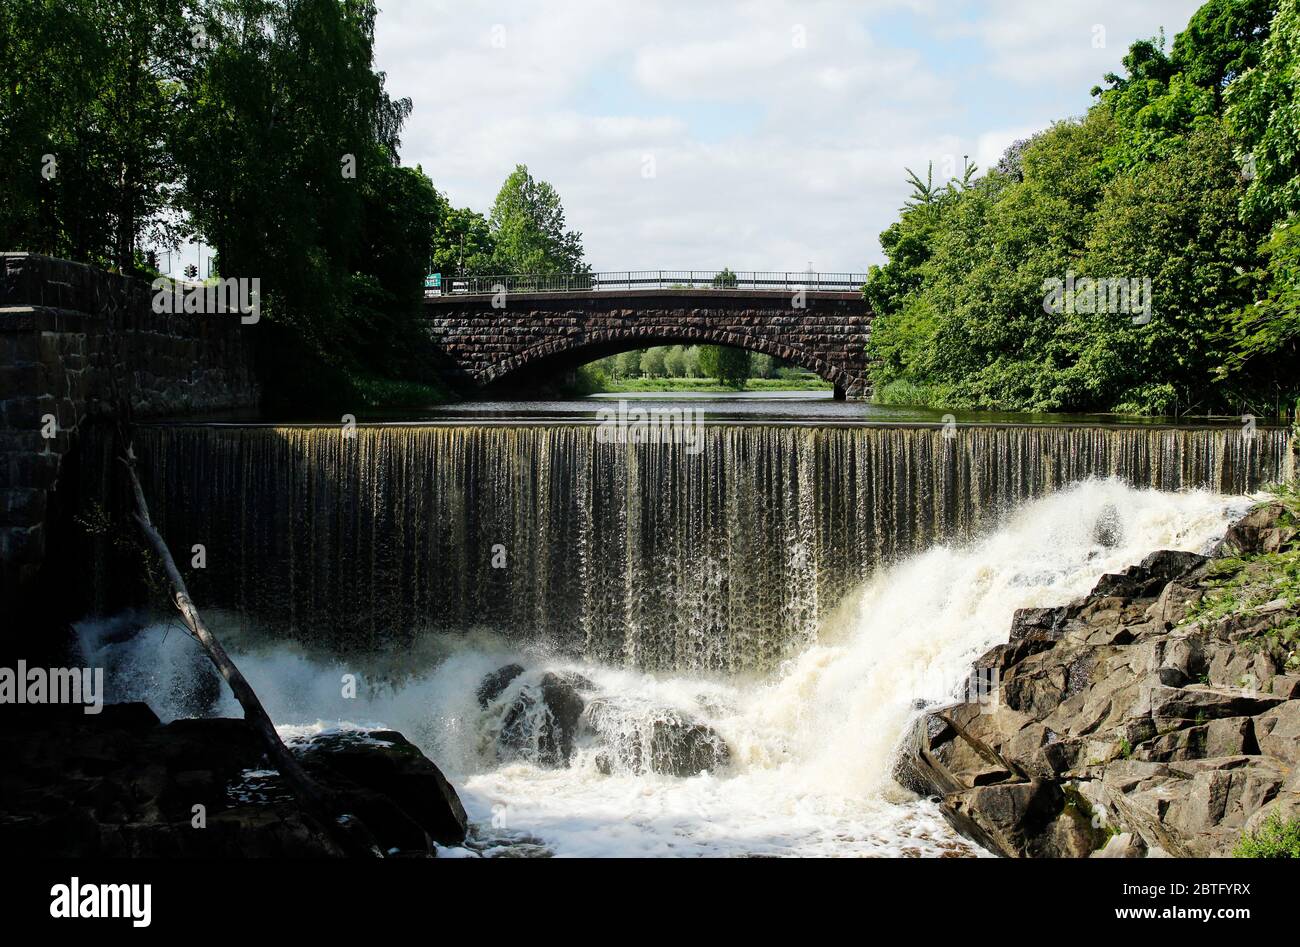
809	746
648	556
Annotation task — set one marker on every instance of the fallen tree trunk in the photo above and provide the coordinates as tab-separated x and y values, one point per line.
315	799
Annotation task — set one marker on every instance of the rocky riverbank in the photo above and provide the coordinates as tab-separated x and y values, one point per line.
1158	715
120	783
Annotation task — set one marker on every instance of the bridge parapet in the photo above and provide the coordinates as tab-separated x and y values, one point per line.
625	280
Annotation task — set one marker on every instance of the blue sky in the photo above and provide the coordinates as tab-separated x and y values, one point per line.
765	134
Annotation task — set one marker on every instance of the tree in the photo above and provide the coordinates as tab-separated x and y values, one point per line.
462	243
87	106
725	279
1145	189
653	361
528	229
1223	40
1264	113
675	362
629	364
1265	335
730	366
297	194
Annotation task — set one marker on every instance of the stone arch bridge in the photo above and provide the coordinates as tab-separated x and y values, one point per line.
498	339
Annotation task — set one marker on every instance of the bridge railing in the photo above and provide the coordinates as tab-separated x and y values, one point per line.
648	279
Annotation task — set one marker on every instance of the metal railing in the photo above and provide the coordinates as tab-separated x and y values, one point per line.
646	279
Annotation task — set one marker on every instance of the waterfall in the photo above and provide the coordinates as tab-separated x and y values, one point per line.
810	746
644	556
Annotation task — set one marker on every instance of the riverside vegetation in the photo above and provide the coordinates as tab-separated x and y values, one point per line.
1185	172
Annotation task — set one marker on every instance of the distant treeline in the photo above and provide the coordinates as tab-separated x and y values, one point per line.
1143	258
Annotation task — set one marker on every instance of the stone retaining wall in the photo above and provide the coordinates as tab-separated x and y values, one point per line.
55	319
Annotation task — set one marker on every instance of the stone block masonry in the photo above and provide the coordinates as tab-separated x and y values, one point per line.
485	345
55	319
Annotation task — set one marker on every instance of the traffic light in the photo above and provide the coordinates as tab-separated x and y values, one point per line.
191	271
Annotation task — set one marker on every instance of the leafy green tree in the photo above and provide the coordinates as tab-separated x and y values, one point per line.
1146	189
528	229
725	280
1222	41
653	361
675	362
1176	223
401	210
629	364
1265	335
300	188
730	366
907	242
462	243
1264	114
88	101
691	361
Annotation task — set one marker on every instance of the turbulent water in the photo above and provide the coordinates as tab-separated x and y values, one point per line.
811	741
645	556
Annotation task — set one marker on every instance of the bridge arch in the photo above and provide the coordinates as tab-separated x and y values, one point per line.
572	351
486	344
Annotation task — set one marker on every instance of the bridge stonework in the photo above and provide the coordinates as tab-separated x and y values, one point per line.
484	345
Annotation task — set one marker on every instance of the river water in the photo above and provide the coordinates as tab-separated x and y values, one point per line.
793	590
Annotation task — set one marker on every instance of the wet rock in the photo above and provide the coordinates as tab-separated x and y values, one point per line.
1268	528
1038	624
637	739
1149	578
1169	564
1025	819
542	722
494	684
1108	531
389	769
681	748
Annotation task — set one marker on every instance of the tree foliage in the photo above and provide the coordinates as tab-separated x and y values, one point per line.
1149	188
528	229
730	366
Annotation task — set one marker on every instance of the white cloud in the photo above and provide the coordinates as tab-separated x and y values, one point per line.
1033	42
778	130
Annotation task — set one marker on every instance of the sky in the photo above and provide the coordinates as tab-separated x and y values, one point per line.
768	134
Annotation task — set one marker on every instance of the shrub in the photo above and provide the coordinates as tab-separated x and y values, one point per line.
1273	839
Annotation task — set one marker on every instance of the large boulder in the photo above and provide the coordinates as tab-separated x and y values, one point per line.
120	784
537	715
494	684
393	782
1267	528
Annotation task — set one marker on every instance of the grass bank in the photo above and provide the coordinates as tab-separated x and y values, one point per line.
709	385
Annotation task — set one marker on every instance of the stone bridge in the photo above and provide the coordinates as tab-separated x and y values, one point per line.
519	337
